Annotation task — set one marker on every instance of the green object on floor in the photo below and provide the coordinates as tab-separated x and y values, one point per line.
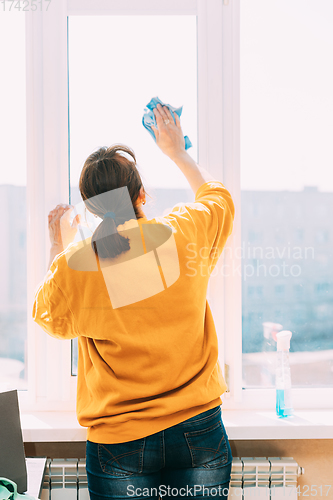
8	491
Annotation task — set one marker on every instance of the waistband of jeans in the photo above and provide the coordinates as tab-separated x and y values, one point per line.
201	417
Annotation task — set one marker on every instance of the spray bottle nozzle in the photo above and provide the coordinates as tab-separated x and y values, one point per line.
283	340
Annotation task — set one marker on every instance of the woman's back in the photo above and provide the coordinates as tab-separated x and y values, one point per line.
149	381
148	351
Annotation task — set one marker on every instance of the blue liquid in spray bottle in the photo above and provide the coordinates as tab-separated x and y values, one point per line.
284	407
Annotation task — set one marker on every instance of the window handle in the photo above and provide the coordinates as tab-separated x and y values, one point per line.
227	376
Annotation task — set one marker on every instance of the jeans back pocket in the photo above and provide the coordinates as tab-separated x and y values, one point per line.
209	446
122	459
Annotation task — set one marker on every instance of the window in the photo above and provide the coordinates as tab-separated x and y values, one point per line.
299	235
250	115
255	292
279	290
298	289
13	224
299	313
322	288
114	79
255	209
59	140
322	236
323	312
280	234
285	112
322	261
260	291
254	237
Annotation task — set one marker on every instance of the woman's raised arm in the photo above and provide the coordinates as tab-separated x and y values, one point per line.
170	139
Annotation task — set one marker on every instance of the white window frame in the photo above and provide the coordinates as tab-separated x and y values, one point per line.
239	398
51	386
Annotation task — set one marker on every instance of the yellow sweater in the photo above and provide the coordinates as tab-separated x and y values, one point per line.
148	350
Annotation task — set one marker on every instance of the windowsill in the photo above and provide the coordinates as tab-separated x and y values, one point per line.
264	424
239	424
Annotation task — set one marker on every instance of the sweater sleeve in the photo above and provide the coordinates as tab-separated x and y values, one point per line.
51	310
216	219
208	221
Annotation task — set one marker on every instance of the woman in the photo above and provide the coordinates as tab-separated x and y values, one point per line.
149	381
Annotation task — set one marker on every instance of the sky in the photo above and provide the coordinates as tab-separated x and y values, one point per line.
116	66
286	94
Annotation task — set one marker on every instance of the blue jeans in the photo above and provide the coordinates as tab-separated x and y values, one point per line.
190	459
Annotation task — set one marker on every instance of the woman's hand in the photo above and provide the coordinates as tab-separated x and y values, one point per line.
169	135
62	233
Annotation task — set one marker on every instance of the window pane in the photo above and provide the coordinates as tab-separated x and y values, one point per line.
287	188
116	65
13	297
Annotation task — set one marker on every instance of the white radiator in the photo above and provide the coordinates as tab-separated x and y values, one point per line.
65	479
261	478
254	478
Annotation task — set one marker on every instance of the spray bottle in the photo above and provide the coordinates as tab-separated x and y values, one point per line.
284	406
269	348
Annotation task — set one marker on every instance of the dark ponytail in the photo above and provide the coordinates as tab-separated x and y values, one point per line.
109	245
105	170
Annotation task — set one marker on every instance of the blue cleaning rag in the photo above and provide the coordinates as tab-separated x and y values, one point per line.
149	120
